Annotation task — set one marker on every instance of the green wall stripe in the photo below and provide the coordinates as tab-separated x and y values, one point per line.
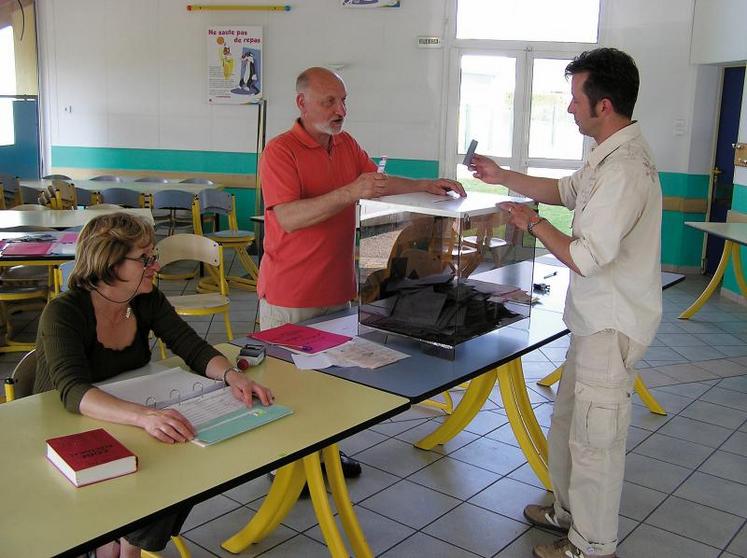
739	203
680	245
197	161
678	184
739	198
154	159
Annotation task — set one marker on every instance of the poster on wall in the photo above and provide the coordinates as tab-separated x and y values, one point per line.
234	63
370	3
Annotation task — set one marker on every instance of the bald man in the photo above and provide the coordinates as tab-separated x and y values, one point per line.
312	177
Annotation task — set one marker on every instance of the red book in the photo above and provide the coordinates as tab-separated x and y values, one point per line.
89	457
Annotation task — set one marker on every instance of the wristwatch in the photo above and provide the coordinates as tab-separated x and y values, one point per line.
533	224
226	371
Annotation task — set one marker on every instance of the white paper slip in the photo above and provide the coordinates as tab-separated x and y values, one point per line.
347	325
318	361
364	354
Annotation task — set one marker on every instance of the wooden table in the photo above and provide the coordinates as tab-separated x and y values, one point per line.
43	514
60	218
734	235
140	187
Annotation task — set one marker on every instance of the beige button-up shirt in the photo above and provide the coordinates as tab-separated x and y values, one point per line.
617	239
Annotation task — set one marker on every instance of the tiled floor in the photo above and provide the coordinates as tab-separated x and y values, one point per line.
685	493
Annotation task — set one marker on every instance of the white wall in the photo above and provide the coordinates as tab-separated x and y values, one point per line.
133	73
719	31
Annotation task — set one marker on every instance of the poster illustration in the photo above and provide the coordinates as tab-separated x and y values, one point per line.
234	63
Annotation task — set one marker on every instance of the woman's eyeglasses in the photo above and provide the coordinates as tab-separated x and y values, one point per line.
147	261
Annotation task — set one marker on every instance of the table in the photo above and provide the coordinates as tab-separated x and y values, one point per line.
734	234
34	493
60	218
493	358
141	187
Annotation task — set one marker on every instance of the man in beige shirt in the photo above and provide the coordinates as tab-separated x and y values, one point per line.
613	305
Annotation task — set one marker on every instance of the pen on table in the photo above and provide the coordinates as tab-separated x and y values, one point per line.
382	165
553	274
305	348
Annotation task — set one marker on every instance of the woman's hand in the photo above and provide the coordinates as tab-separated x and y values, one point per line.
168	425
243	389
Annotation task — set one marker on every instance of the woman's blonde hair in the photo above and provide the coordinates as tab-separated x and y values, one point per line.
103	243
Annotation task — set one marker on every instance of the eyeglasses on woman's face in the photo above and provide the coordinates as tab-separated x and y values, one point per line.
146	260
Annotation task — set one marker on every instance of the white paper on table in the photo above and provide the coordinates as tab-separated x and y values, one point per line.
317	361
347	325
364	354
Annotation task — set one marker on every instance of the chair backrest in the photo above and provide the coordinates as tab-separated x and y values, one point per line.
213	201
108	178
180	247
123	197
56	177
193	180
172	199
24	375
158	179
27	195
10	189
105	206
62	275
86	198
65	195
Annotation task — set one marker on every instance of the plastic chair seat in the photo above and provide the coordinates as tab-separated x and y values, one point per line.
185	303
231	236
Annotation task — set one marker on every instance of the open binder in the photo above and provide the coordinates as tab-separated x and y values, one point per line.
207	404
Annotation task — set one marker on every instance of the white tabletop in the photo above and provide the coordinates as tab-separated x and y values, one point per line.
142	187
60	218
736	232
476	203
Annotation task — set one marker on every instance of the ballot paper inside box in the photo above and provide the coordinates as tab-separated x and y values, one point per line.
418	254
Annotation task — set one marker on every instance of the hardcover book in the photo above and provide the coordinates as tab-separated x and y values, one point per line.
92	456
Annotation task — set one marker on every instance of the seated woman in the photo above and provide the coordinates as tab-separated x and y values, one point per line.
99	328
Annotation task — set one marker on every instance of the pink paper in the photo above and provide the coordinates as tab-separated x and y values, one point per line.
300	338
68	238
27	249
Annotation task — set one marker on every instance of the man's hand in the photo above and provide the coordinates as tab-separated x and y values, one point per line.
487	170
168	425
368	185
441	186
519	214
243	389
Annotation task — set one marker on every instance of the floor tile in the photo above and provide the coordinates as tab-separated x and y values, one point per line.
737	383
686	372
412	504
727	466
638	501
390	428
732	350
300	545
455	478
672	403
195	550
491	455
397	457
484	422
635	437
696	521
212	534
300	518
722	494
719	339
739	545
696	431
371	481
727	398
646	540
361	441
526	475
420	545
663	353
381	533
674	450
641	417
416	434
722	367
737	443
509	497
475	529
653	378
522	547
653	473
715	413
209	510
692	390
681	339
250	490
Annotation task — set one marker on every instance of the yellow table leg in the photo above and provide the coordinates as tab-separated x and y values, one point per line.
474	398
283	489
181	548
521	395
312	467
653	405
520	428
342	501
552	378
736	256
714	283
447	406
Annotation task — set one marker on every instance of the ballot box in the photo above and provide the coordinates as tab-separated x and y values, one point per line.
417	254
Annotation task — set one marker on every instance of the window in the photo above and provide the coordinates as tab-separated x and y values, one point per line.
509	92
7	86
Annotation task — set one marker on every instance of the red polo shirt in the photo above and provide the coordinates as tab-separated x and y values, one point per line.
313	266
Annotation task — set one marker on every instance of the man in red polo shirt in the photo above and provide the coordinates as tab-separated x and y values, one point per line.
312	177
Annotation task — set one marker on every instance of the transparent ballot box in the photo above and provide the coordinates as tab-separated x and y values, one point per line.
418	255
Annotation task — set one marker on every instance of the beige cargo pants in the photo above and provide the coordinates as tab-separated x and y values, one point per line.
587	437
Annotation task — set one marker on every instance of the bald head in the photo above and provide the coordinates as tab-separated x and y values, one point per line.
316	76
321	97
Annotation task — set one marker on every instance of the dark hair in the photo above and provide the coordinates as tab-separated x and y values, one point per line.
612	74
